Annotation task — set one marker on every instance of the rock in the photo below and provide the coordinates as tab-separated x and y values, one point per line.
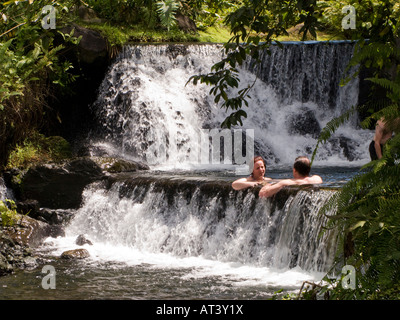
55	216
115	165
28	263
92	48
344	145
31	232
58	186
82	240
75	254
88	15
5	267
304	123
14	254
28	207
185	23
51	216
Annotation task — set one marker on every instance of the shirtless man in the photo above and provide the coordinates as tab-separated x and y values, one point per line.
301	171
256	177
382	135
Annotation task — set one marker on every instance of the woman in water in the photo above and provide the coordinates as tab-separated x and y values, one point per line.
256	177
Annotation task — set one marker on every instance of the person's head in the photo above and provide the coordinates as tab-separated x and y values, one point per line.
259	168
302	166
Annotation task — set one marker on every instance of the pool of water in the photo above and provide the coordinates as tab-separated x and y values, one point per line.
112	280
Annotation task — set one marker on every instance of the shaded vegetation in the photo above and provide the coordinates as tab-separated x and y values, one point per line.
39	149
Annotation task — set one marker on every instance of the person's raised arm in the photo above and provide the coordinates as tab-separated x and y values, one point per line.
243	183
271	189
378	138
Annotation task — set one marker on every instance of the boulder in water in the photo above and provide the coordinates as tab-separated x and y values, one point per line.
75	254
304	123
82	240
59	186
116	165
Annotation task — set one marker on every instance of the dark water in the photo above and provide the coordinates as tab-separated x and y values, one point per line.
80	281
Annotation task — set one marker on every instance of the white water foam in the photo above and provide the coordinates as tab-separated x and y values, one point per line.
248	246
147	110
236	274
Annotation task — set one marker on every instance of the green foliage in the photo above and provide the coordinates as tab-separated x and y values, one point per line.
29	67
368	206
152	14
166	11
39	149
8	212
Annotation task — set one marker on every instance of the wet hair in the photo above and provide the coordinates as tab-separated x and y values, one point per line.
258	158
302	165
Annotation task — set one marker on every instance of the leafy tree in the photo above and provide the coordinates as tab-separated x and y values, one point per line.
153	13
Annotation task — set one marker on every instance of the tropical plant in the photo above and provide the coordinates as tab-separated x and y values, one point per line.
8	212
153	14
29	66
368	206
166	11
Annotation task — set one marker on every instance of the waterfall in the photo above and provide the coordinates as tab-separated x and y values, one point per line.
146	110
192	220
5	192
185	217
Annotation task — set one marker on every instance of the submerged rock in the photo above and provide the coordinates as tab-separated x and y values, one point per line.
304	123
75	254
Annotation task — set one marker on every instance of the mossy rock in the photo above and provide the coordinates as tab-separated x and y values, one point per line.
116	165
58	147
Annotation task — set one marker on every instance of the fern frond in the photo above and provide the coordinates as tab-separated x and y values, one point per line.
387	84
166	11
331	128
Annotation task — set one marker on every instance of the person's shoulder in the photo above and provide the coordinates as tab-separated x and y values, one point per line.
245	179
315	179
287	182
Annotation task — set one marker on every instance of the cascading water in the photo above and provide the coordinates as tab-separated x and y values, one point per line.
186	219
174	235
146	111
205	231
5	192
